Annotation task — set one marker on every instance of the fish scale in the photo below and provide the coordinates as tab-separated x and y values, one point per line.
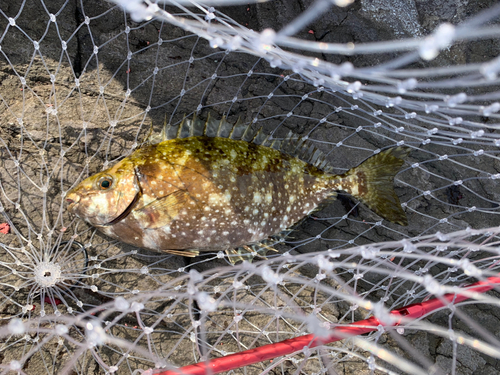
190	192
239	199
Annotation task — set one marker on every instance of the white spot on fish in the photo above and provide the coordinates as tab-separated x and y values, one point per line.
354	189
151	239
257	197
268	198
213	199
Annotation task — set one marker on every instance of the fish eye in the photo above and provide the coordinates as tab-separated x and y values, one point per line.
105	183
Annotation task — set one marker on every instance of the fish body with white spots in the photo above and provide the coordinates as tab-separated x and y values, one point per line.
209	189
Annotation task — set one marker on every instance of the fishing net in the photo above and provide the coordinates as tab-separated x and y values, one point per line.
84	83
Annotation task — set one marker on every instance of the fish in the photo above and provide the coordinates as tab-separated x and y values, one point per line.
216	186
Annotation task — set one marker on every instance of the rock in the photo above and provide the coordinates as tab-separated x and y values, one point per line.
467	359
400	16
488	370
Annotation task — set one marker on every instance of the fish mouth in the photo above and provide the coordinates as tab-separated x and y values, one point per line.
72	201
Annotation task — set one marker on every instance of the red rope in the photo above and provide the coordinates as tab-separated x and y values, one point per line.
270	351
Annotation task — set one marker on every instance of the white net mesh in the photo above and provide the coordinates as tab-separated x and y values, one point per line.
81	84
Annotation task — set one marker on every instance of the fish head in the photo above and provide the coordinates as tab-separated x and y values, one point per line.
105	197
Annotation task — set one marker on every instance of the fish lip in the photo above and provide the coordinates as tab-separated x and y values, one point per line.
71	206
73	200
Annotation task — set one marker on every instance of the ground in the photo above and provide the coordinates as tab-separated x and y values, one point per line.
71	115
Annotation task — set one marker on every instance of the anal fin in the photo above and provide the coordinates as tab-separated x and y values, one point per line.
183	253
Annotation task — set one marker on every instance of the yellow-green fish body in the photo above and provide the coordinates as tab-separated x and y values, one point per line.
206	193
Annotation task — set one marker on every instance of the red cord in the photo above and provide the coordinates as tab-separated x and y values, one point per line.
270	351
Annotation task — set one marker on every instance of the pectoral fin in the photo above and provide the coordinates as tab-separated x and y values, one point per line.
162	211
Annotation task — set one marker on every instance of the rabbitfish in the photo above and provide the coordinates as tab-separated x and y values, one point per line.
209	186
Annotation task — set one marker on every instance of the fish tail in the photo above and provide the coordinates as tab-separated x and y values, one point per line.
372	182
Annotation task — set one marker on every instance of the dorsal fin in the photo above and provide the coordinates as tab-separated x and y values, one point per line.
225	128
184	130
260	137
293	144
211	127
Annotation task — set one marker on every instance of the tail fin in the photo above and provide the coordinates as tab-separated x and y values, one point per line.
375	182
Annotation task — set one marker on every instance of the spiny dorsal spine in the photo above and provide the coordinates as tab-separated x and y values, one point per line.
293	144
